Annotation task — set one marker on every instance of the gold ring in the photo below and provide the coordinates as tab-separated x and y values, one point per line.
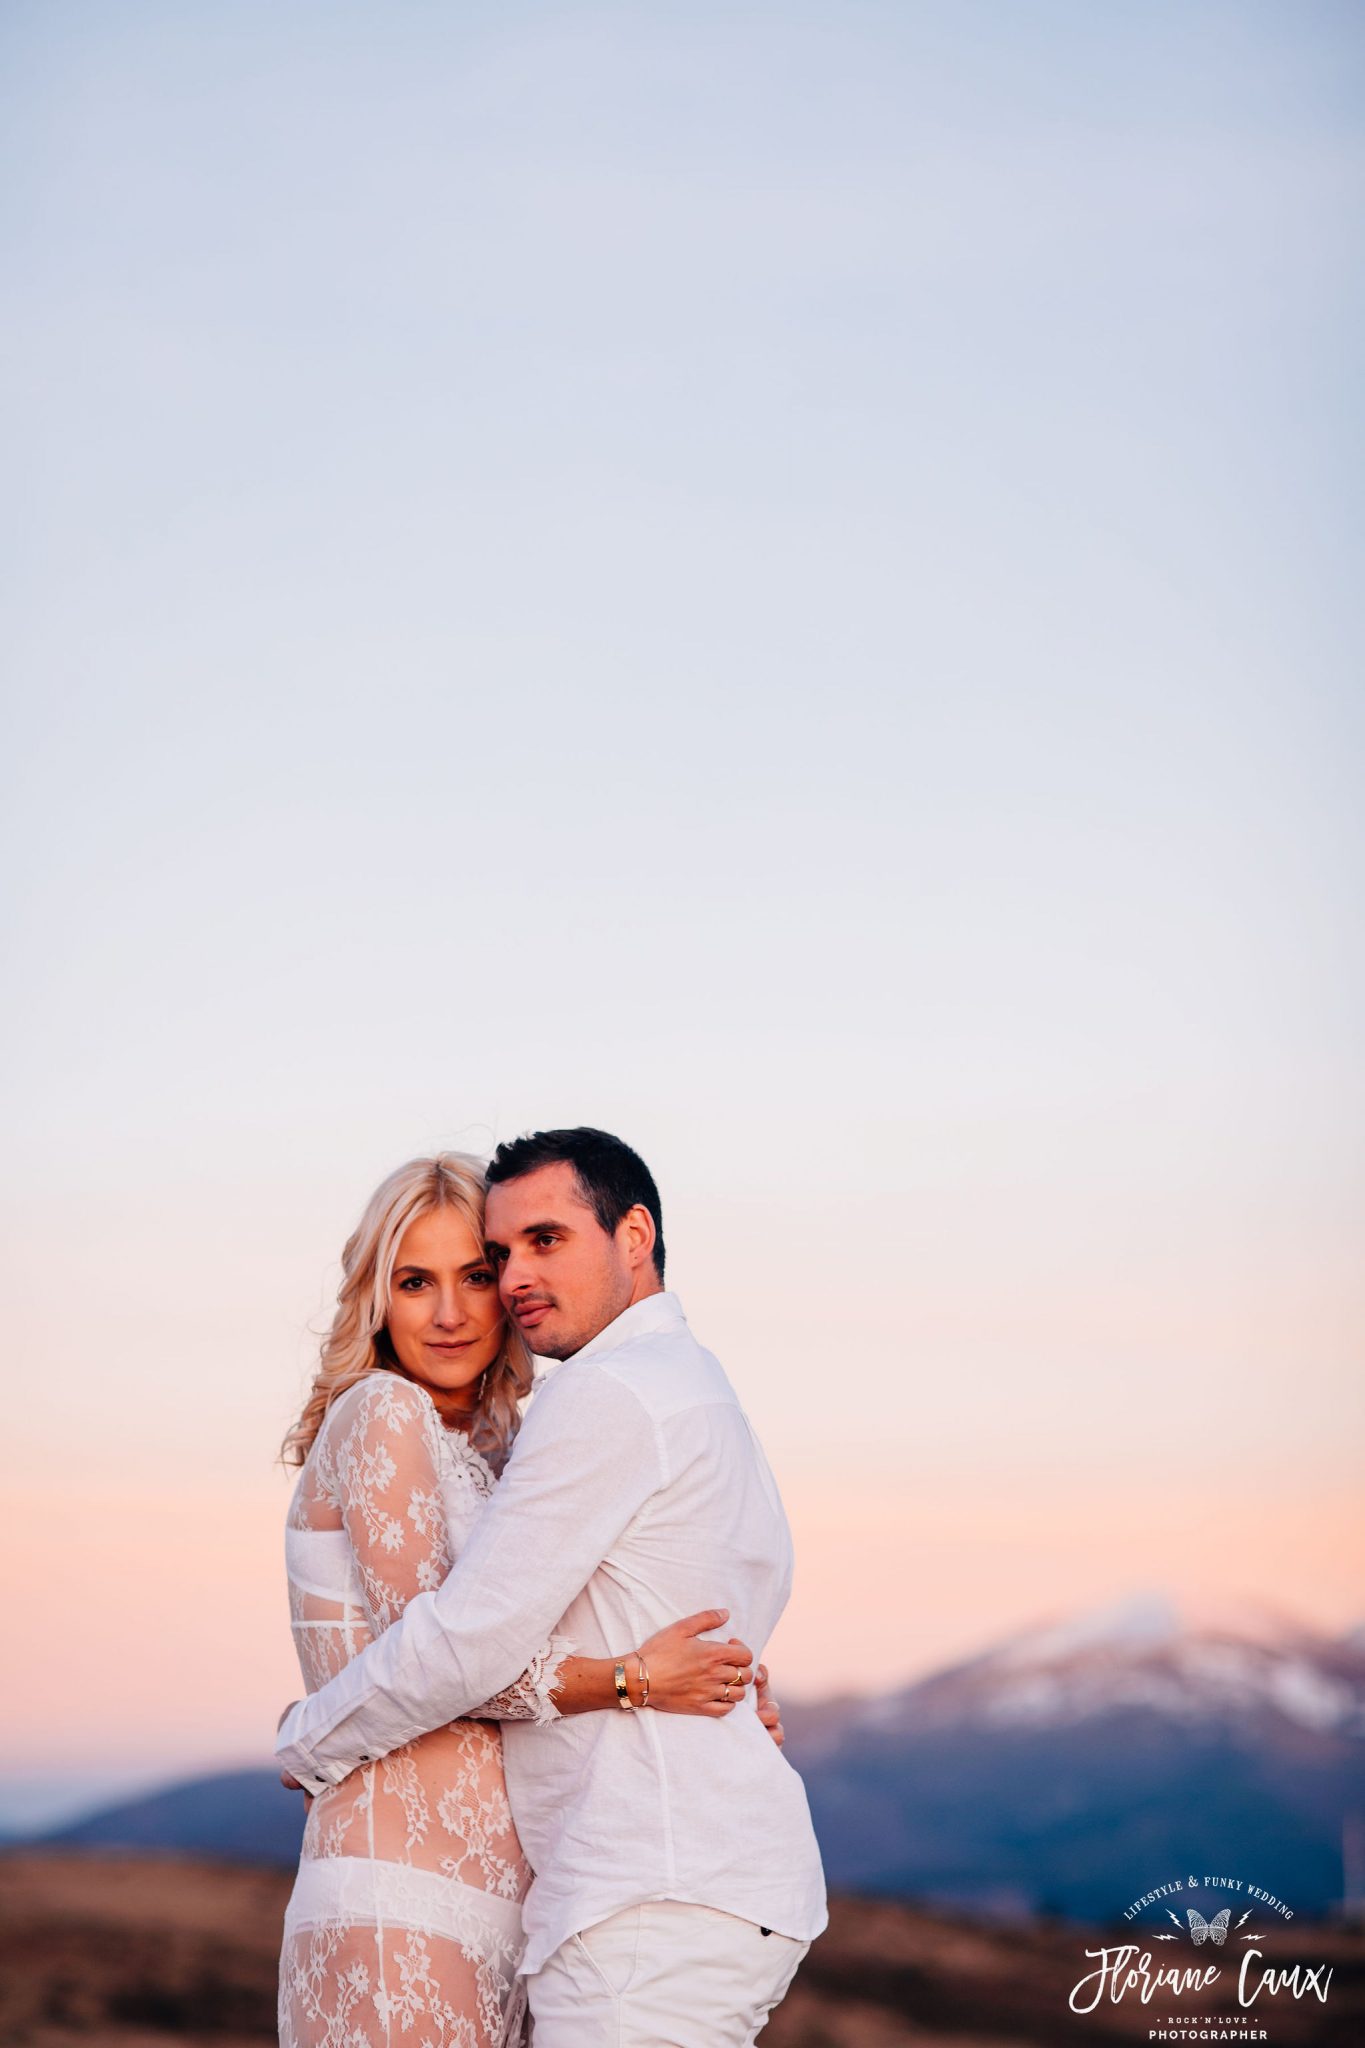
726	1694
737	1679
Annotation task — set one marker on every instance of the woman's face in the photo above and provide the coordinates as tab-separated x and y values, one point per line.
445	1320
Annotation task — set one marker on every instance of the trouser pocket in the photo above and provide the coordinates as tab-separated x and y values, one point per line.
611	1950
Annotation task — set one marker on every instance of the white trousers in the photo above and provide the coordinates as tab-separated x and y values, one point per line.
662	1975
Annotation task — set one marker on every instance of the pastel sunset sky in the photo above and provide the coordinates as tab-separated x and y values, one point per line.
778	579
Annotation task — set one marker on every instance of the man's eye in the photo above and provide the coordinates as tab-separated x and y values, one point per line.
544	1237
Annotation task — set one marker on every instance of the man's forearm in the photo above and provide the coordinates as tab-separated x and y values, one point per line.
586	1460
411	1679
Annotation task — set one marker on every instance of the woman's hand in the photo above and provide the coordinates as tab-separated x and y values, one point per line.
687	1676
768	1711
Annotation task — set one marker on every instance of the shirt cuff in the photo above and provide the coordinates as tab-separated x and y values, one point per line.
299	1761
312	1784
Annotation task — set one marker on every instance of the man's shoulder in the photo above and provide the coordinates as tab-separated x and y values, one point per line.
654	1365
585	1388
667	1370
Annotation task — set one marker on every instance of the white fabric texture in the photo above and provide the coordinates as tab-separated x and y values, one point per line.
636	1492
405	1920
662	1975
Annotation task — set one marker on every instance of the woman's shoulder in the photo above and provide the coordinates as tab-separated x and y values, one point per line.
385	1398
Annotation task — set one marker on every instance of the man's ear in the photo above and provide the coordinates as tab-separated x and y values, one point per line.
638	1225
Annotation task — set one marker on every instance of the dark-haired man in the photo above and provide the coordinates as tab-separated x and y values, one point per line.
563	1291
678	1883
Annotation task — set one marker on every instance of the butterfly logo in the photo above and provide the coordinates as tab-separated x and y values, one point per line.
1202	1930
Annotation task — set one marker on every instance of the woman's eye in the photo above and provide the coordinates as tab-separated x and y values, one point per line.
481	1279
411	1284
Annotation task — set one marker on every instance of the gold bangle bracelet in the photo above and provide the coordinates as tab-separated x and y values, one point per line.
644	1679
623	1698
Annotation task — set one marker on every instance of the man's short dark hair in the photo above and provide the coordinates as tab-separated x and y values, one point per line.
612	1178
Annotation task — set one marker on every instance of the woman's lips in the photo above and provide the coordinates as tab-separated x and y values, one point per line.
463	1344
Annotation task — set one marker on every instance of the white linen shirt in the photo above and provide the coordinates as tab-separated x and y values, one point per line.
636	1493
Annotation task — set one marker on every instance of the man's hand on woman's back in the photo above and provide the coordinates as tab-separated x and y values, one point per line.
768	1711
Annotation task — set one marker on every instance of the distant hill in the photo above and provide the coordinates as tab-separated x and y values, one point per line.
243	1816
1064	1771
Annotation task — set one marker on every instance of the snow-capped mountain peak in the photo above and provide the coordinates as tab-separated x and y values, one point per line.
1230	1662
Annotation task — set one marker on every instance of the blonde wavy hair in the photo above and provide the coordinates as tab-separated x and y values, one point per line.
358	1341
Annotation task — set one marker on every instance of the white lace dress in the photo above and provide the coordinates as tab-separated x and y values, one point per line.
405	1920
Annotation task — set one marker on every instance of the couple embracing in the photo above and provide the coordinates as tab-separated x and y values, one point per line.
544	1763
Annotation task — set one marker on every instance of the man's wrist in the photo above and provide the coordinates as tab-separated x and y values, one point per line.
296	1758
314	1785
313	1776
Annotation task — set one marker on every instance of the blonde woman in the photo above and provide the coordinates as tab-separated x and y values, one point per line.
405	1919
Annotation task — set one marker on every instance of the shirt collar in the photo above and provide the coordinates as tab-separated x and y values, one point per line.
655	1312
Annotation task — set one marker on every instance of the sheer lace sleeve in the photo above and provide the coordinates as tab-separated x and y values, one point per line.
388	1467
528	1697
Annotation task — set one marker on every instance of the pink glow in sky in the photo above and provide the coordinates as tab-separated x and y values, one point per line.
191	1663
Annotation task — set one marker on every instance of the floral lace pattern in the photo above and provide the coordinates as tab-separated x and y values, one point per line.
404	1924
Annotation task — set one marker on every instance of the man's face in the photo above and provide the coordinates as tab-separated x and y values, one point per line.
562	1277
